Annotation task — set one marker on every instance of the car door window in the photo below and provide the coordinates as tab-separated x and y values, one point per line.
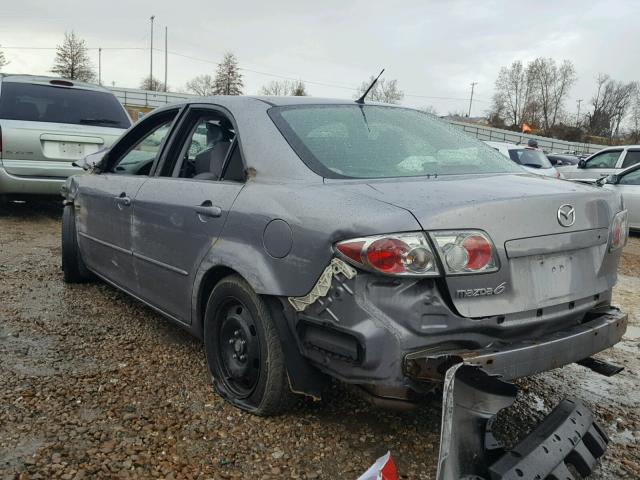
604	160
140	157
209	140
631	158
631	178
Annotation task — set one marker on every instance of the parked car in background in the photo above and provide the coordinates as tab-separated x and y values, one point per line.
627	183
46	124
563	159
530	158
606	162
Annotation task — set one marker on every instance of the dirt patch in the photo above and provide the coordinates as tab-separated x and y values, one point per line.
95	385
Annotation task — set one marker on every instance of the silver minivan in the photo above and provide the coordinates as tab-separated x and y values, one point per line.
46	124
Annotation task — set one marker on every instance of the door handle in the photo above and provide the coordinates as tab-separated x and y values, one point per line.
123	201
208	210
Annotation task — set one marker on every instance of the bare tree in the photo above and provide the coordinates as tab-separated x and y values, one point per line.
72	60
385	91
284	87
551	83
513	94
3	60
228	79
152	84
430	109
611	104
203	85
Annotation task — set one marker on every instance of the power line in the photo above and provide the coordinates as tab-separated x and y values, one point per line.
257	72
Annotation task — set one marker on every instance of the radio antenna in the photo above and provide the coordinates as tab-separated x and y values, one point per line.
361	99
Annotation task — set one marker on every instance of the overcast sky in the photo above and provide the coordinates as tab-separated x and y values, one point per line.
433	48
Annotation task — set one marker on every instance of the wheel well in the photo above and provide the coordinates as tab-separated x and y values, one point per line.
210	280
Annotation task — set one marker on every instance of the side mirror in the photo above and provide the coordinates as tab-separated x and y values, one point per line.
611	179
92	161
582	164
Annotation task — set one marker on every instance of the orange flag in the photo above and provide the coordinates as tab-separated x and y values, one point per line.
526	128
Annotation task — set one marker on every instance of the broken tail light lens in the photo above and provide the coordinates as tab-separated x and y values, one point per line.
404	254
619	230
466	251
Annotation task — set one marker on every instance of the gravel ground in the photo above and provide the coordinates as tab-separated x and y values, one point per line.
95	385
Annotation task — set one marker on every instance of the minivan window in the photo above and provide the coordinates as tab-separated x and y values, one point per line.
373	141
529	158
44	103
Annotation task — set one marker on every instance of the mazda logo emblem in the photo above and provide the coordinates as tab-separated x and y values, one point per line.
566	215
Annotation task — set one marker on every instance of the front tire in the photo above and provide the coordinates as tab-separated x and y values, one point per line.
243	350
73	267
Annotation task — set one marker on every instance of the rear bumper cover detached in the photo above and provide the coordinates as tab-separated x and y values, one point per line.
468	449
603	328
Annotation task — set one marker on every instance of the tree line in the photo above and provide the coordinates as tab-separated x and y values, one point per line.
72	62
534	95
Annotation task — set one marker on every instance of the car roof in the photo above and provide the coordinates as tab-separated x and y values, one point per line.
277	101
44	80
504	144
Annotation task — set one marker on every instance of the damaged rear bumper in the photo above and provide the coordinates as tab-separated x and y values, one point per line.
468	449
603	329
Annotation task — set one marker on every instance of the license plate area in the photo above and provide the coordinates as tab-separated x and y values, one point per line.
71	150
553	276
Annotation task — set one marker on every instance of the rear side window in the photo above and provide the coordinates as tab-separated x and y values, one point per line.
529	158
631	158
44	103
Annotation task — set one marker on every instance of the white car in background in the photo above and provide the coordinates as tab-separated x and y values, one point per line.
531	159
627	183
608	161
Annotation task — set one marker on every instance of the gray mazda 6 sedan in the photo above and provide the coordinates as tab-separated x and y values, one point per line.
304	239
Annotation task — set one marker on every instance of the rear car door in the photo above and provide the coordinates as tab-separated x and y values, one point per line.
602	164
631	158
104	202
180	213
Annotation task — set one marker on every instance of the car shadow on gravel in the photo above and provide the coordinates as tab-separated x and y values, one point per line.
32	208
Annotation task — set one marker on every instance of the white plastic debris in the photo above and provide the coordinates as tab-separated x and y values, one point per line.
382	469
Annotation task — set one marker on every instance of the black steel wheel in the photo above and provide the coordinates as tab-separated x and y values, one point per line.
238	349
243	349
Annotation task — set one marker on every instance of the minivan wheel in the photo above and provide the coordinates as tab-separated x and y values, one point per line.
243	350
73	268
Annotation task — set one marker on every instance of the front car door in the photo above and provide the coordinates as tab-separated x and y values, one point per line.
602	164
179	213
104	201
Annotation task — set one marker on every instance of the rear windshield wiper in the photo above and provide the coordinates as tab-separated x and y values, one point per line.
94	121
532	165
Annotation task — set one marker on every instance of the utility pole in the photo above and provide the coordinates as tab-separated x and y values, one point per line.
166	29
151	56
473	86
100	66
578	115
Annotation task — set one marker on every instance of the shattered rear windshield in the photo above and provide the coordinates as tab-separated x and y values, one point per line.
371	141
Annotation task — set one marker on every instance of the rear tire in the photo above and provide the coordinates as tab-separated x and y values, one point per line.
73	267
243	350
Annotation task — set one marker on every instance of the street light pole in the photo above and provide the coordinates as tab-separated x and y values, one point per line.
473	85
578	115
151	56
166	30
100	66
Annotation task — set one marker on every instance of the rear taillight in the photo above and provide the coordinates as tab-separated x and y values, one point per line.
466	251
404	254
619	230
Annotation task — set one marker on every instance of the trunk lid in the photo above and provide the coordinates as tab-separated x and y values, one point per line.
26	144
543	263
